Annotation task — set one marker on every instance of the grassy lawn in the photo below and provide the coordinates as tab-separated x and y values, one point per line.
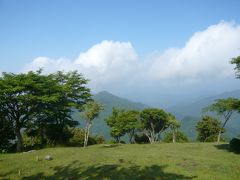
158	161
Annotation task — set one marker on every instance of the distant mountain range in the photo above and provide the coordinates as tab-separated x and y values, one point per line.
188	114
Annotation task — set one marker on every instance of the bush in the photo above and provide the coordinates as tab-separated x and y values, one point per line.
180	137
77	138
31	142
234	145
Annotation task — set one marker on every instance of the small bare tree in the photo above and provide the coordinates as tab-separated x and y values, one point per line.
91	111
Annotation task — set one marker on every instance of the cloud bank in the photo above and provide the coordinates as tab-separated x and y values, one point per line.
204	58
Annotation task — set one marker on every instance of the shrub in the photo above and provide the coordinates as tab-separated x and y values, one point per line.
31	142
77	138
180	137
234	145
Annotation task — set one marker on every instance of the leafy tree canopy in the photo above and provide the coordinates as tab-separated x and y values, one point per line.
208	128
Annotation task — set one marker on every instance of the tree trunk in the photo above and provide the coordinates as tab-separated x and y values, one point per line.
118	139
85	136
19	140
219	136
87	132
174	136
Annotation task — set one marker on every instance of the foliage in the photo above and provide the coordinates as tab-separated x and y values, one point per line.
208	128
113	122
180	137
236	61
224	108
91	111
39	102
128	120
153	122
6	134
234	145
123	122
77	138
31	142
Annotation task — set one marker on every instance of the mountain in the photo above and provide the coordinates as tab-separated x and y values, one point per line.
195	108
109	101
190	114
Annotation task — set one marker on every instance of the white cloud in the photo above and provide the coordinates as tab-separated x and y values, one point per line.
205	56
103	63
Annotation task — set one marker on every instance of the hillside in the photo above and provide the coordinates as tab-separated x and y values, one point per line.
130	161
191	113
109	101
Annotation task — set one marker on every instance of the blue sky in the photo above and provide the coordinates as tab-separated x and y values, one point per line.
65	29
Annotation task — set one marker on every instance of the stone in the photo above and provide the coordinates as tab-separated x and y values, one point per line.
48	157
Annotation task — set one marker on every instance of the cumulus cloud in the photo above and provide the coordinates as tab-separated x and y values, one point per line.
103	63
205	56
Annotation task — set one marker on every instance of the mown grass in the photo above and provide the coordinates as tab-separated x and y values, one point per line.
158	161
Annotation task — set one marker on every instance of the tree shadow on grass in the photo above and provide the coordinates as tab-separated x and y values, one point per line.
109	171
225	147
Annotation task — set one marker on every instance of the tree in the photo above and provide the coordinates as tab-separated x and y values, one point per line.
153	122
71	95
208	129
174	125
236	61
224	108
116	126
123	122
91	111
38	103
17	100
130	123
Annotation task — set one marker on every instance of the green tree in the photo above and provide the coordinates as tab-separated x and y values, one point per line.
17	100
91	111
173	125
236	61
224	108
123	122
153	122
130	123
208	129
41	104
116	126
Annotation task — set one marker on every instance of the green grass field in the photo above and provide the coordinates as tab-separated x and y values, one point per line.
159	161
